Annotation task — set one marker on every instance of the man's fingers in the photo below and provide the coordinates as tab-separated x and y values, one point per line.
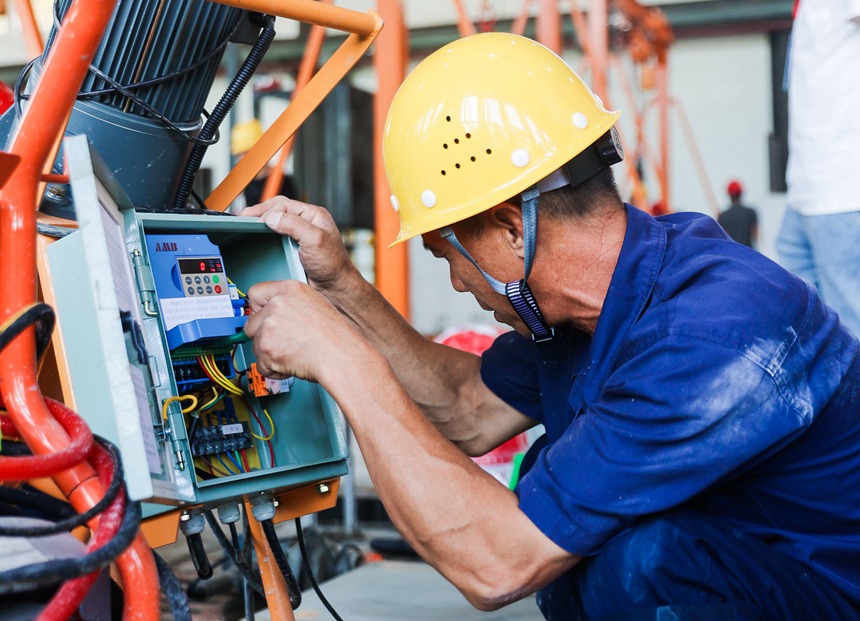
260	294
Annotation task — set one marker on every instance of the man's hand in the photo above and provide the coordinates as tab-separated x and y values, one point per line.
321	250
296	331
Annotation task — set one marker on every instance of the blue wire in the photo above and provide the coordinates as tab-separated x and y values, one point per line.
226	467
235	463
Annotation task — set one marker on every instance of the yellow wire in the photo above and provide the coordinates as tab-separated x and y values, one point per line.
271	426
238	290
215	372
212	401
185	410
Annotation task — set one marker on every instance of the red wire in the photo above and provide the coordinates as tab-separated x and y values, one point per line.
245	461
81	441
262	429
67	600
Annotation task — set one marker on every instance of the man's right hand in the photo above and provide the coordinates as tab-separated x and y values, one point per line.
321	250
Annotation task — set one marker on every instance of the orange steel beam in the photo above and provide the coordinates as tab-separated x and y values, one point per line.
42	122
274	585
392	265
687	129
464	25
518	27
313	12
663	124
548	25
349	53
32	36
598	26
313	47
580	27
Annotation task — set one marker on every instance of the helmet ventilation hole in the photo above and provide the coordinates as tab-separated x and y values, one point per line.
448	118
444	173
468	136
456	141
444	145
489	151
456	166
472	158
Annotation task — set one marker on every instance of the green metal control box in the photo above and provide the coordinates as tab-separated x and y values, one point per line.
150	312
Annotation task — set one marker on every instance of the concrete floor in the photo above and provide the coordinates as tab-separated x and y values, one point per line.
398	590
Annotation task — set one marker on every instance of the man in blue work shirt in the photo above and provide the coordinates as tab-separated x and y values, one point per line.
701	405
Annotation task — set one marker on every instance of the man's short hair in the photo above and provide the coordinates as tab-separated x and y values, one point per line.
599	193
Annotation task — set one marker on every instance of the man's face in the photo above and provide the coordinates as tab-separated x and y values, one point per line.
466	278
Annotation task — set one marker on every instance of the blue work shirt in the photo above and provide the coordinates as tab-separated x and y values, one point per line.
714	380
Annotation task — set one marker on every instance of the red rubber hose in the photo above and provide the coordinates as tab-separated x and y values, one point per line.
81	442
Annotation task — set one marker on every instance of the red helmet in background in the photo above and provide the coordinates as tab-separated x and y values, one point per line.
735	189
7	97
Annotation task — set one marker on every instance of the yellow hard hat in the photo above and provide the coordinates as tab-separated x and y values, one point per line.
245	135
478	122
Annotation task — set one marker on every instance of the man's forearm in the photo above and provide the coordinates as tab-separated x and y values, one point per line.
434	375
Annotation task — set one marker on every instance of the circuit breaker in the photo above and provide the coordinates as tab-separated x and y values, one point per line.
152	308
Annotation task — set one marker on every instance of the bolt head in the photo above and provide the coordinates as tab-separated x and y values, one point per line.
324	488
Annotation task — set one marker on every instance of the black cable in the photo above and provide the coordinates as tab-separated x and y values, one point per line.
173	591
237	85
76	519
54	571
301	539
283	564
52	508
198	556
39	315
243	568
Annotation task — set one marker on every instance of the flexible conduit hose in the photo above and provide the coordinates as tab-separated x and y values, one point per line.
198	556
283	564
219	113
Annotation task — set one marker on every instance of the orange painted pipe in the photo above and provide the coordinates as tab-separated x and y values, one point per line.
389	61
312	12
53	99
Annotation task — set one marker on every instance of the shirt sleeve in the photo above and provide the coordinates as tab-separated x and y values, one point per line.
508	368
674	420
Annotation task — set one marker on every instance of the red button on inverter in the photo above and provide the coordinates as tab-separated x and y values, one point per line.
217	289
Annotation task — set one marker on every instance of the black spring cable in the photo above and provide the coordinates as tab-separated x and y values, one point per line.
198	556
39	315
283	564
76	520
240	564
173	591
307	565
219	113
29	577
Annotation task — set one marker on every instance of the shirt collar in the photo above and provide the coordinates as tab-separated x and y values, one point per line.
632	284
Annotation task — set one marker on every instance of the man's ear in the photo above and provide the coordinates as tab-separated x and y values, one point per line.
507	218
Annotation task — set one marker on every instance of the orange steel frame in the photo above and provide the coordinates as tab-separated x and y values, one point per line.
32	149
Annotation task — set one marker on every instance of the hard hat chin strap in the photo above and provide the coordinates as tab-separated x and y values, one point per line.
517	292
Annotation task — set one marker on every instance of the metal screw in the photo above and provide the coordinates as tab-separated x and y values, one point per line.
277	504
323	488
184	517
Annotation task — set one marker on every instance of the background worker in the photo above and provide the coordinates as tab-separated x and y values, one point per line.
702	450
820	234
739	221
243	136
